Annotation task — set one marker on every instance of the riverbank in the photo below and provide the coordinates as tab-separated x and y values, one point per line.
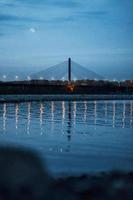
23	175
114	185
27	98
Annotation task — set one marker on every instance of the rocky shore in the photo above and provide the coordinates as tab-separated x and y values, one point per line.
114	185
23	176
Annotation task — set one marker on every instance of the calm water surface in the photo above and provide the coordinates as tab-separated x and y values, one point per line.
73	137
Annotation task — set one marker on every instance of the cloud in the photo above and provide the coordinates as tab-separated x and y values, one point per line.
10	24
8	3
58	3
67	4
6	17
56	20
94	13
78	12
79	16
32	3
13	18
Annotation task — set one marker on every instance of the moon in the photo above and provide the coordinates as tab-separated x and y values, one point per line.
32	30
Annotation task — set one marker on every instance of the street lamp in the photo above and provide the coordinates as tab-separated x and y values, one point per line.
4	77
63	78
16	77
75	79
28	78
41	78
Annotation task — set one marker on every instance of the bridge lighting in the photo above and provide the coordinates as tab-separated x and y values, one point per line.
16	77
70	88
4	76
28	78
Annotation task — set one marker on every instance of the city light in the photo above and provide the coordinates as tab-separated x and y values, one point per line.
16	77
4	76
28	78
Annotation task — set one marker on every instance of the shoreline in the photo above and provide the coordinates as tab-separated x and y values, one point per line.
84	97
104	185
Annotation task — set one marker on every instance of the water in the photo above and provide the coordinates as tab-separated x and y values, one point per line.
73	137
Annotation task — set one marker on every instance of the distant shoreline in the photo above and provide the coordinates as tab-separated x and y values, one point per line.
84	97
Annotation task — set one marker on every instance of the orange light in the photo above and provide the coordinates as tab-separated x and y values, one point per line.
70	87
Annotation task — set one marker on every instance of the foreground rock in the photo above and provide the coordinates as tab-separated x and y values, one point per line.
24	176
113	185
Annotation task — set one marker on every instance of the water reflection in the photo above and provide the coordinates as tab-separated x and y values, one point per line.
106	111
4	116
41	118
28	118
85	111
74	111
95	113
70	141
124	112
70	120
131	113
52	115
114	110
63	110
68	115
16	115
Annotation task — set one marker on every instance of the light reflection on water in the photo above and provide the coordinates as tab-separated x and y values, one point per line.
73	132
4	117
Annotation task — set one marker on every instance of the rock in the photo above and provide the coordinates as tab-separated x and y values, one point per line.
22	175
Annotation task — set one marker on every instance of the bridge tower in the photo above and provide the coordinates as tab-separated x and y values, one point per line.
70	86
69	69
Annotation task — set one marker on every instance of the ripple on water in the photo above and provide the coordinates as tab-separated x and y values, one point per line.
72	135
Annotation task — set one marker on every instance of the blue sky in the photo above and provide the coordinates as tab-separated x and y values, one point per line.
36	34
